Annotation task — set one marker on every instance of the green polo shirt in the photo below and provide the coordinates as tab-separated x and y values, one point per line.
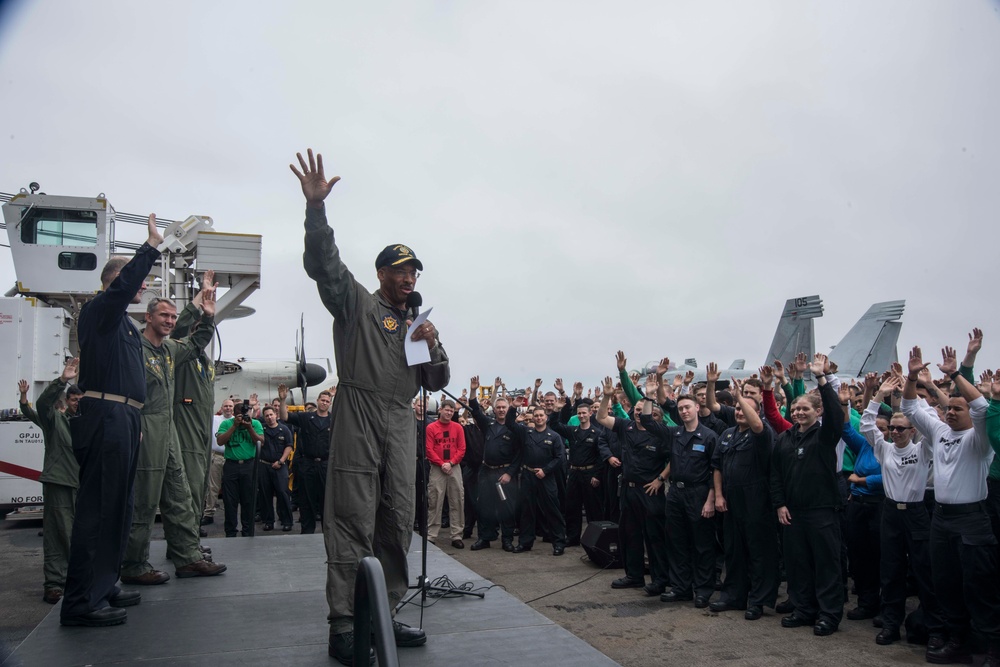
240	446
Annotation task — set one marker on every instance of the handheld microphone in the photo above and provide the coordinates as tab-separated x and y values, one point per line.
413	303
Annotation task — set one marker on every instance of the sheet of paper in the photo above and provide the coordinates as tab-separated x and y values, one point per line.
417	352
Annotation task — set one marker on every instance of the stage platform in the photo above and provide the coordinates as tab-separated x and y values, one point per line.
269	608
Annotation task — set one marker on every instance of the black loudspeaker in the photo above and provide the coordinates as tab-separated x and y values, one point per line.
600	541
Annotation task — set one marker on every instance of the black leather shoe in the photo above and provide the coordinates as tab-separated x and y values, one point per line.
824	628
877	621
268	527
793	620
627	582
952	652
508	546
520	548
861	613
753	612
52	595
479	544
722	605
202	532
341	648
458	544
934	641
205	520
573	543
673	596
285	529
701	601
407	636
652	590
887	636
125	599
558	551
785	607
97	619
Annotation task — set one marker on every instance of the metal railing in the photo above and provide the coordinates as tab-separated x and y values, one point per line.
371	606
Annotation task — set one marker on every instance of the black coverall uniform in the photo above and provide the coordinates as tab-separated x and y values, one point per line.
501	454
106	438
744	460
691	543
585	464
644	457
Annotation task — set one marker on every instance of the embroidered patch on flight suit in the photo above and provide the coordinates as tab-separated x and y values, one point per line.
390	324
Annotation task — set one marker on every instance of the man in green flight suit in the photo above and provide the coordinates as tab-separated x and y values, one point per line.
369	503
60	474
160	478
194	404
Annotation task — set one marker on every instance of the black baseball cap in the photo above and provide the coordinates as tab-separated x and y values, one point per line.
394	255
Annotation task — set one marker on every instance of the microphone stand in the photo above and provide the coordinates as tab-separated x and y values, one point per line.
423	586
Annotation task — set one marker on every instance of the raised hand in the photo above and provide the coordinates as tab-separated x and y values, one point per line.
577	389
995	385
737	386
597	393
558	384
949	363
650	385
538	383
678	381
663	366
801	363
315	187
766	376
896	369
609	386
154	237
871	381
820	365
844	393
779	372
975	342
474	385
621	360
712	372
71	370
891	384
634	377
207	297
688	378
916	361
22	387
282	392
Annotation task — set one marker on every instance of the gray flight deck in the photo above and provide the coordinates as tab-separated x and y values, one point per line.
270	608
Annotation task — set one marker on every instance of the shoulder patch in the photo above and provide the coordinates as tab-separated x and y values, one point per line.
390	324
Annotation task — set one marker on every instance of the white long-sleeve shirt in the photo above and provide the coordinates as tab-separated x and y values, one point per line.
961	458
904	469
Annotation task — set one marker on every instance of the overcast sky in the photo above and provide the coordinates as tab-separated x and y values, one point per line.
576	177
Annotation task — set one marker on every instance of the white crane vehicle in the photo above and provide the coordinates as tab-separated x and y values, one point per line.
58	245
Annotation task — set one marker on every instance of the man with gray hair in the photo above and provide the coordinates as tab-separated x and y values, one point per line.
160	478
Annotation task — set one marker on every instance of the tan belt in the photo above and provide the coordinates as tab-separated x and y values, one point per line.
114	398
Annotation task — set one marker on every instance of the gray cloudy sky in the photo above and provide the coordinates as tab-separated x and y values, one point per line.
575	176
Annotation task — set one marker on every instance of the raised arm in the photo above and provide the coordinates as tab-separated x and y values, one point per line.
603	418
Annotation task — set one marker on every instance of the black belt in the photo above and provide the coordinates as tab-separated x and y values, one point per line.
892	504
239	460
638	485
687	485
499	467
866	499
957	509
316	460
591	467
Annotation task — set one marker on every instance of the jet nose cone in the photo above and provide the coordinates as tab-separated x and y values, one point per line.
314	374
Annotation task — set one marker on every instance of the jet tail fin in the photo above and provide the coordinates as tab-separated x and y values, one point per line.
738	365
795	332
870	345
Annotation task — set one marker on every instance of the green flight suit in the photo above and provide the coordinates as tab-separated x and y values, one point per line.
194	399
60	479
369	504
160	478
